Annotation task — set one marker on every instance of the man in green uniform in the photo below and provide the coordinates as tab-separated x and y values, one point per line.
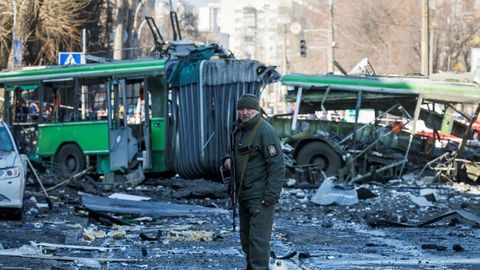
259	170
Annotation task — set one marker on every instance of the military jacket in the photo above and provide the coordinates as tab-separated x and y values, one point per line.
264	172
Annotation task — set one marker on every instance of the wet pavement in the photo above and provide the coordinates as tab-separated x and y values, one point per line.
316	237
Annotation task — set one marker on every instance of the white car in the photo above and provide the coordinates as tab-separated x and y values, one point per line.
13	168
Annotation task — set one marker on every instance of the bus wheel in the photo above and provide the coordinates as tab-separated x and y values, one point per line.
322	155
71	158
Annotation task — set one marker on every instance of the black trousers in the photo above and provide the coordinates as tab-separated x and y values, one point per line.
256	223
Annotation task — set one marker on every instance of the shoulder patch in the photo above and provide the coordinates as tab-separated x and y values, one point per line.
272	150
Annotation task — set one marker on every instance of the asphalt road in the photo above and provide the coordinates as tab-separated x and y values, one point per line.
317	237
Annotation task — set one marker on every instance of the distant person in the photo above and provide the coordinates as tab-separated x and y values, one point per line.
21	111
140	108
260	173
34	108
99	105
48	112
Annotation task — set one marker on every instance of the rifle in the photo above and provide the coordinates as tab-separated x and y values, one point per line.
231	181
233	177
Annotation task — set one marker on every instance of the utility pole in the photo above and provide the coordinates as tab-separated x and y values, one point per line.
84	90
14	30
285	58
331	38
425	39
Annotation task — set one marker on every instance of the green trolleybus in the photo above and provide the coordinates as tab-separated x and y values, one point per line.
170	114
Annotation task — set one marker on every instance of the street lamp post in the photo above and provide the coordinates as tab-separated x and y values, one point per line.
331	41
425	39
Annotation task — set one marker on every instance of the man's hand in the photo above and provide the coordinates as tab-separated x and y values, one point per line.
227	164
265	203
268	201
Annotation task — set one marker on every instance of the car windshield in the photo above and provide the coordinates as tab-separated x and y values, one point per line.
5	142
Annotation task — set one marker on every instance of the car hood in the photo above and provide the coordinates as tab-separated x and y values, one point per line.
8	159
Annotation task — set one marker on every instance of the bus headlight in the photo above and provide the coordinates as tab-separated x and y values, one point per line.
9	172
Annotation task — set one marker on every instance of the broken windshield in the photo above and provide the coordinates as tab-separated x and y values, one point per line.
5	143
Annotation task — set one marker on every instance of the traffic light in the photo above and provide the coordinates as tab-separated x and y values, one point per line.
303	48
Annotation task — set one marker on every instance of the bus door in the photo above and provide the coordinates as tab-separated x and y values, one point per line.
147	153
123	146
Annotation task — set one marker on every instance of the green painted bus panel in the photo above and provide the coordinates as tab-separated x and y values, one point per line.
92	137
158	134
150	67
158	162
157	96
429	89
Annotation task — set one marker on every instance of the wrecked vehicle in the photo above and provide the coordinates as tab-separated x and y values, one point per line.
12	173
169	114
391	140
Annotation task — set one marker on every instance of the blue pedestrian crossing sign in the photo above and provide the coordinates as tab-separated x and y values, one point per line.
71	58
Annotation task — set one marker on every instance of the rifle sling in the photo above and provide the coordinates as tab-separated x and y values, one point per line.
247	157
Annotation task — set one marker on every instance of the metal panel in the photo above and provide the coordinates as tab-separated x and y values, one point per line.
51	136
123	148
384	85
118	149
119	68
205	112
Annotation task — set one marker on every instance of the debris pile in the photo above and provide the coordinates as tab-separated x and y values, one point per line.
336	225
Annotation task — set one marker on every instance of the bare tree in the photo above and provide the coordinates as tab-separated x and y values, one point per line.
455	28
386	32
44	27
188	20
99	27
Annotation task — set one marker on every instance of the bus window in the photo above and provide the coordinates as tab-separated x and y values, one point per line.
21	109
99	108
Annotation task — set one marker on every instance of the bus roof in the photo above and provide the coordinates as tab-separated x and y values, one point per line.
152	67
387	86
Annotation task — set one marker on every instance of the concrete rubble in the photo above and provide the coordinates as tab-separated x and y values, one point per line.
369	226
328	193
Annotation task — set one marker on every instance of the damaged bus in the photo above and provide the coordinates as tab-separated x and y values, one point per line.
391	139
167	114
